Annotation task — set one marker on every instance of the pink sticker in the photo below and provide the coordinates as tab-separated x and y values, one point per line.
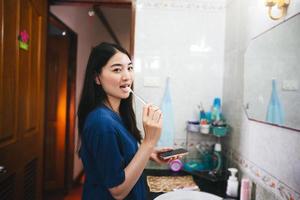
23	40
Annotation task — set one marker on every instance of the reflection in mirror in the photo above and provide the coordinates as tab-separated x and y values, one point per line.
273	58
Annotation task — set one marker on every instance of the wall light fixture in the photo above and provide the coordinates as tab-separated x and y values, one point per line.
282	6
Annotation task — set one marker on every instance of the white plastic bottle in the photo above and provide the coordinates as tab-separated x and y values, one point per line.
232	183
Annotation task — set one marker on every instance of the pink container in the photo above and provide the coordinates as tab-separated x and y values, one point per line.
175	165
245	189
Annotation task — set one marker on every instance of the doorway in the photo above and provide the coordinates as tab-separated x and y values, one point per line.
106	14
59	106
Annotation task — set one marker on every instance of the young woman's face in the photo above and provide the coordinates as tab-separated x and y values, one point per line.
116	77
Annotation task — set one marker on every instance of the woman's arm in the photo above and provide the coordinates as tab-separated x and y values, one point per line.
132	172
152	123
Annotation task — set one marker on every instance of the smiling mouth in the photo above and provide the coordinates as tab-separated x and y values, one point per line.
125	88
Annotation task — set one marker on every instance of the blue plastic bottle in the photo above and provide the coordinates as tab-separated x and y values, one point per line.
202	115
216	110
275	112
168	129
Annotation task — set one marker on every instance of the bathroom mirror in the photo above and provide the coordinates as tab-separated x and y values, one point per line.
274	55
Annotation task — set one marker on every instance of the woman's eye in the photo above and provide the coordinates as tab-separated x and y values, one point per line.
117	70
130	68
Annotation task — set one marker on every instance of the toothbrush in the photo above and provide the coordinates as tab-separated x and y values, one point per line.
139	98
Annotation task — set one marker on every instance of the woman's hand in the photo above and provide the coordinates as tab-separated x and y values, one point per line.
152	123
155	155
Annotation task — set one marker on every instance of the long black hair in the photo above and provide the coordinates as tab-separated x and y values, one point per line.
93	95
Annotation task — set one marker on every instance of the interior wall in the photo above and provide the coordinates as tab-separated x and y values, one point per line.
120	20
90	32
267	154
183	40
76	17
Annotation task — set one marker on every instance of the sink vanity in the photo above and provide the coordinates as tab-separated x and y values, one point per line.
204	182
188	195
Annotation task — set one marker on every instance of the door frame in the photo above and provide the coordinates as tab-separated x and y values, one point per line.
71	103
112	3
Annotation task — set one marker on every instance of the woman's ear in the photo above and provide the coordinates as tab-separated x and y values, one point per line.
97	80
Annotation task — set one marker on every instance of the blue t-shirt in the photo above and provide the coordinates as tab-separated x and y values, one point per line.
107	148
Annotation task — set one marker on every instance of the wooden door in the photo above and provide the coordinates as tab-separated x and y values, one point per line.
56	112
22	98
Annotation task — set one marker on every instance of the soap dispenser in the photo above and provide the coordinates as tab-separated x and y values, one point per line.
232	184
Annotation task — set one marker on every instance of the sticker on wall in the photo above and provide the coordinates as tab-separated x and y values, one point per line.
23	40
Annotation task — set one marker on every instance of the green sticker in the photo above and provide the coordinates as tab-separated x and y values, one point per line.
23	45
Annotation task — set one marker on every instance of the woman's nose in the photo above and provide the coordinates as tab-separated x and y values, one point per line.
126	75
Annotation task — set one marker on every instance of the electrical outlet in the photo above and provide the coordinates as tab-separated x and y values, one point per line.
152	81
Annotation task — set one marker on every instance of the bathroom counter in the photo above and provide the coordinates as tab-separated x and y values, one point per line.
217	187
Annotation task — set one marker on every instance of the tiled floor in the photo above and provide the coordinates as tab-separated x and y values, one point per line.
74	194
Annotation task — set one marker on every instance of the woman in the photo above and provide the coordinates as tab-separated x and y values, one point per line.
112	160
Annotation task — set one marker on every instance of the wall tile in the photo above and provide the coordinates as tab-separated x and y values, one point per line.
185	41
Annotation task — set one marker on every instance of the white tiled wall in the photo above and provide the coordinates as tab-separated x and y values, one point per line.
274	150
185	41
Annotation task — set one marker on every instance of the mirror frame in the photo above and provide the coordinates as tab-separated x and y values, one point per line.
244	103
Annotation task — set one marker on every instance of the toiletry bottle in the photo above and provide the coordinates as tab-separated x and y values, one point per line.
202	116
216	110
217	156
232	184
245	189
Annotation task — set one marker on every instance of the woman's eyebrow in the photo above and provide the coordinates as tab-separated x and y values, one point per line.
120	65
